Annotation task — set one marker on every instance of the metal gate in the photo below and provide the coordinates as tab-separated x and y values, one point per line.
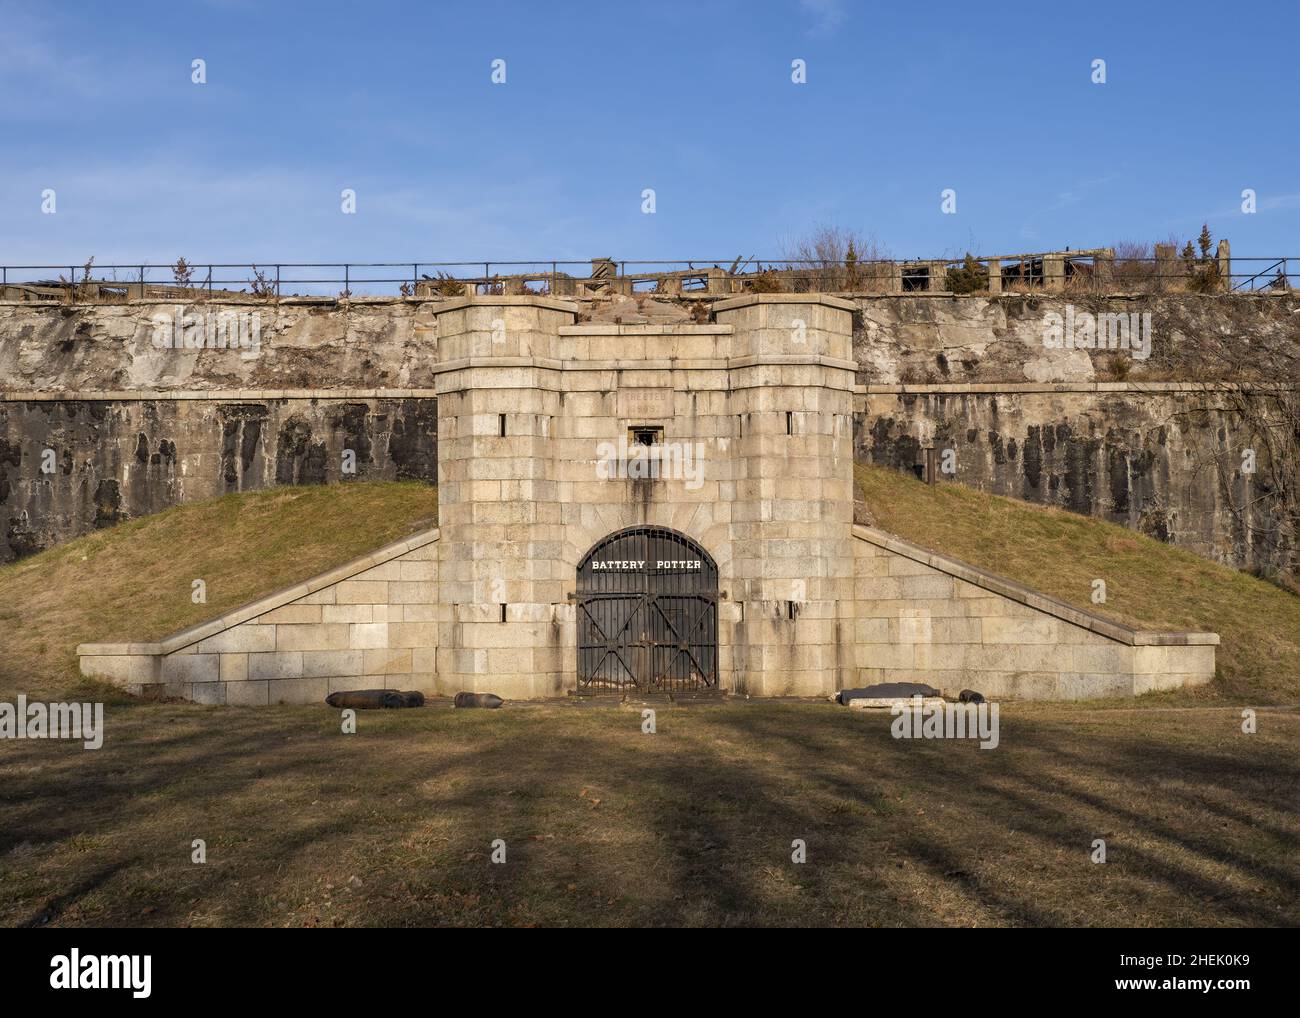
647	614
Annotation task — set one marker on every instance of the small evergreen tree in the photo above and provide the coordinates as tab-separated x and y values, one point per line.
969	277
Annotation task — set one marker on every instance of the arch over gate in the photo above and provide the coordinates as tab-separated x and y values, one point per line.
647	613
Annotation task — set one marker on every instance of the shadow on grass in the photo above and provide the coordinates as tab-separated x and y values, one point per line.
604	825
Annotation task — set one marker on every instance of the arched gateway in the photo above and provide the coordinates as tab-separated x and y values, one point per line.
647	613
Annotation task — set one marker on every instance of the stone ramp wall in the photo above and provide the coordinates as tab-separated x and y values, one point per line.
923	617
370	623
915	616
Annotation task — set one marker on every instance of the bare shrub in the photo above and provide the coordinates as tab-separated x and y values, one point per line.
82	291
1135	268
1118	367
446	285
261	285
833	259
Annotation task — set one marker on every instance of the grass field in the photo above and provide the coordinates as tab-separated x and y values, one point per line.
605	825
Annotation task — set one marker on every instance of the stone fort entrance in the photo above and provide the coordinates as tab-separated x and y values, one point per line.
618	454
647	606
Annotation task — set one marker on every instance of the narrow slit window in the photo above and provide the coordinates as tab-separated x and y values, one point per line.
501	424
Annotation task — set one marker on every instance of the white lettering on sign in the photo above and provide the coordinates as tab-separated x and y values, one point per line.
624	565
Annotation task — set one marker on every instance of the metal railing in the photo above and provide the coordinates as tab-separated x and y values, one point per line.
685	277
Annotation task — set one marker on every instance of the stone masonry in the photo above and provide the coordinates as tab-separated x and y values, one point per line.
535	413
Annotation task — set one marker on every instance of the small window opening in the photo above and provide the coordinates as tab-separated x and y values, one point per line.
789	422
645	434
503	613
916	277
502	425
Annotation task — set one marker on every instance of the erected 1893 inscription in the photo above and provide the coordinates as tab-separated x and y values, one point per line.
645	404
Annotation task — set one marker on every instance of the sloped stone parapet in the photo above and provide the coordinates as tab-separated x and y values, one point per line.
922	616
283	648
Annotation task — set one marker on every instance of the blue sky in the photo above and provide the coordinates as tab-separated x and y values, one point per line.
604	100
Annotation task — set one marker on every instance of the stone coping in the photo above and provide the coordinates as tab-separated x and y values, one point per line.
1031	598
501	300
646	329
964	388
187	637
246	300
124	395
702	364
750	299
646	364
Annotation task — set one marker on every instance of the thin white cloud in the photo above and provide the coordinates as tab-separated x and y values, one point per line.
826	15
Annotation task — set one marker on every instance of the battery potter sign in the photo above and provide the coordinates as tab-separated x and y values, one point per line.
635	565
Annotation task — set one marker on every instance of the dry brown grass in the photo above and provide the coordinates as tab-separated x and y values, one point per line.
132	582
690	826
1148	584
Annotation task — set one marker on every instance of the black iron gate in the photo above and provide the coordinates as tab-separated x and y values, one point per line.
647	614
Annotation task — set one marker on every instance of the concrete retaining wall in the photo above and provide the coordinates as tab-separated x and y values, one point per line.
368	624
923	617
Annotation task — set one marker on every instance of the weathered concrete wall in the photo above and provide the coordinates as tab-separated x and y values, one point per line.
1160	458
1136	455
947	339
390	343
303	344
117	459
